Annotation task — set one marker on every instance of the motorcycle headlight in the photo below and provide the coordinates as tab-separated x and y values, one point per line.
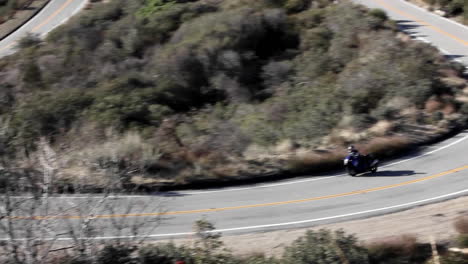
346	161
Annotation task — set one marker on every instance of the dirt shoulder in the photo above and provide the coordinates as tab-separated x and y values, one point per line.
423	221
21	17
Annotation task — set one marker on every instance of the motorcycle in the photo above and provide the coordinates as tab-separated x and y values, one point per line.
359	164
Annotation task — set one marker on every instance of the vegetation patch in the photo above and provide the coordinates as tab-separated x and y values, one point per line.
213	88
450	8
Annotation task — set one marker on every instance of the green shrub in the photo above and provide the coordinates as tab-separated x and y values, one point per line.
297	5
30	40
462	240
325	247
116	254
47	113
454	258
163	254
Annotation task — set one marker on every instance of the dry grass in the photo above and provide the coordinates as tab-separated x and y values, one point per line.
340	137
129	147
385	146
381	128
406	243
449	108
316	161
433	105
461	225
455	81
307	161
403	249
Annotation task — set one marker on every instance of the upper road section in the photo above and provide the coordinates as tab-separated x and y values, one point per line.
54	14
449	37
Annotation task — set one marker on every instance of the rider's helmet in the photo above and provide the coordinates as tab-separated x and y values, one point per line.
352	149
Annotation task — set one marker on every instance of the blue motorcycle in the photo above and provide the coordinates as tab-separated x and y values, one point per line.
356	164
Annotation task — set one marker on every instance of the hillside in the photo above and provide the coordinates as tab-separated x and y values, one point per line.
178	91
9	7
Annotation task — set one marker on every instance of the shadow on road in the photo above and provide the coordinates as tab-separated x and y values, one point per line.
169	194
453	57
404	25
407	26
391	173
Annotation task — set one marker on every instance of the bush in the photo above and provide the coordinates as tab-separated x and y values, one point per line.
47	113
404	249
162	254
116	254
462	241
461	224
325	247
454	258
30	40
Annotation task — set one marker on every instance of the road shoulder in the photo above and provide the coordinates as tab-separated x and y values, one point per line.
422	222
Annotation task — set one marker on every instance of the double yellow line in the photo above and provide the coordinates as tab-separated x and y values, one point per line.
254	205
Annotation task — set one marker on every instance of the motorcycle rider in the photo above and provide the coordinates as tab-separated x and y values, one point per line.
355	153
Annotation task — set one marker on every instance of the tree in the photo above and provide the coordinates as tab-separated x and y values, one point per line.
33	218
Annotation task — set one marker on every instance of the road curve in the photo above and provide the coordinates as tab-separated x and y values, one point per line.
439	172
449	37
56	12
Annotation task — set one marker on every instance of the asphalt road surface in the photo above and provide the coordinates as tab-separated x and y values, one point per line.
449	37
55	13
439	172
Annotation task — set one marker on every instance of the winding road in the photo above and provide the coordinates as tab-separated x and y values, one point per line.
55	13
449	37
437	173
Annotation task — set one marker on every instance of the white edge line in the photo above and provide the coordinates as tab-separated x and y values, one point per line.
423	40
260	226
262	186
427	153
431	13
323	178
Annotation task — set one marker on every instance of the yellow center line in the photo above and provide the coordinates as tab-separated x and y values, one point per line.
254	205
437	29
36	28
7	46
